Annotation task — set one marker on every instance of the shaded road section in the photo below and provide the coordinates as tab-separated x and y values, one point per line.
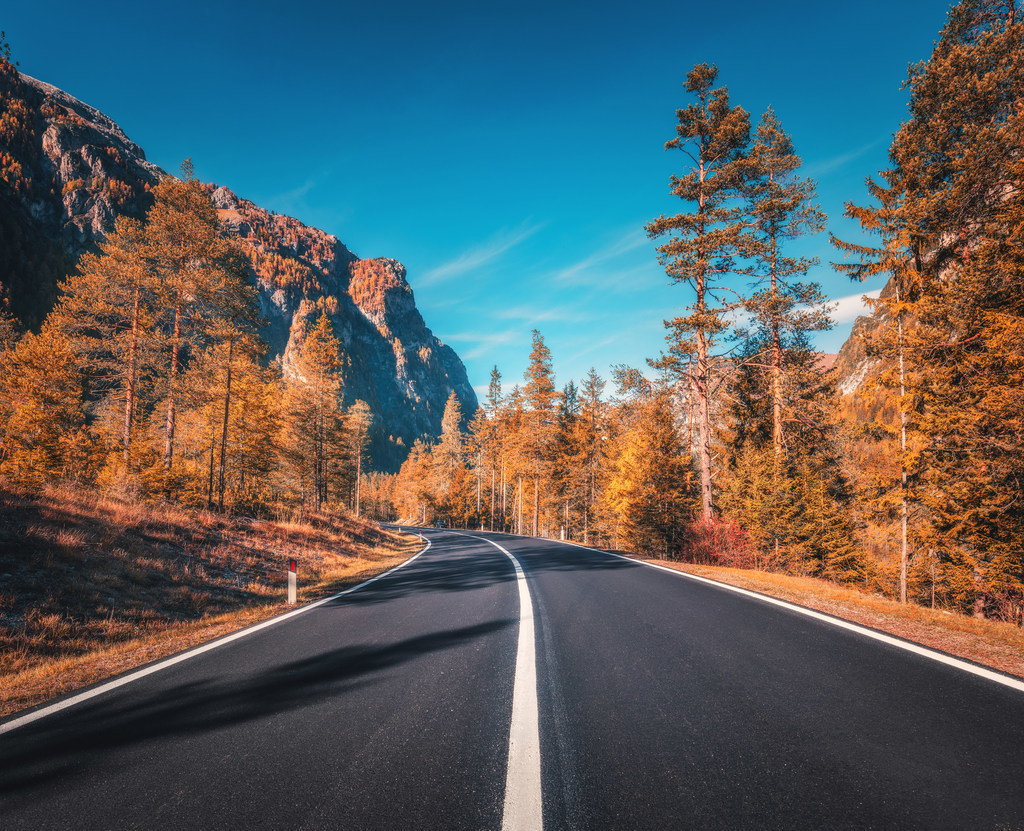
388	708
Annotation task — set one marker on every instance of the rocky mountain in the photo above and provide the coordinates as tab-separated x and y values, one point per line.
67	171
853	364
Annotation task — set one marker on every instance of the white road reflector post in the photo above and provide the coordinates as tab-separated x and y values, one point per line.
291	583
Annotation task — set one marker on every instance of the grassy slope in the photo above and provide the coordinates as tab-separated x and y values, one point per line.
90	586
988	642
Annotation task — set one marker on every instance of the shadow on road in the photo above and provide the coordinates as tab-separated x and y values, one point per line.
64	744
478	565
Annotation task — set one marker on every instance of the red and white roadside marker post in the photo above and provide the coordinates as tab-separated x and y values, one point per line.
291	583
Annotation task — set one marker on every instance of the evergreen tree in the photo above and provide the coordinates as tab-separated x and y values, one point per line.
784	309
706	245
195	268
360	417
107	311
44	434
494	440
592	425
646	488
315	425
10	329
948	212
540	397
450	453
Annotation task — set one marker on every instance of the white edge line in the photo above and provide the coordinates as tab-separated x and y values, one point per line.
188	654
917	649
523	808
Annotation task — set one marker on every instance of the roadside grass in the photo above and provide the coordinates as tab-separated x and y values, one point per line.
991	643
91	586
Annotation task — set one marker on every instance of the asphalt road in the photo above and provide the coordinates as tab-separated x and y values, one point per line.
663	703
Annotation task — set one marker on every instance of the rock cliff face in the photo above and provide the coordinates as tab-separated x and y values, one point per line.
854	364
67	171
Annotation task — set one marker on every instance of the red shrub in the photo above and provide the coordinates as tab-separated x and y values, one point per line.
717	543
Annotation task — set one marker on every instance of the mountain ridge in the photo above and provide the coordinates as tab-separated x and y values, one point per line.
68	170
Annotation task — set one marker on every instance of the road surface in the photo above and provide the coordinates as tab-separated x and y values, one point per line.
659	702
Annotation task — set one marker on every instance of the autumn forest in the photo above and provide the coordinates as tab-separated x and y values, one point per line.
148	378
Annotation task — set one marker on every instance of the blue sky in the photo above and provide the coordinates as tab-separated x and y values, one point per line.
509	154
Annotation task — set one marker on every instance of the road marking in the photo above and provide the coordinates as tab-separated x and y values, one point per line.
523	802
917	649
7	727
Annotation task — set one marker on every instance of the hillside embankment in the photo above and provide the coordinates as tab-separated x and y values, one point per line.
92	586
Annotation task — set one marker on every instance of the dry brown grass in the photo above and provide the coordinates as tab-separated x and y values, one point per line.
989	642
91	586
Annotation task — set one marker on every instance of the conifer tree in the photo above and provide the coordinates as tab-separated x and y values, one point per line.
316	429
108	312
949	211
540	397
706	245
593	423
494	441
785	309
360	417
10	329
192	262
449	454
568	472
646	487
44	434
959	166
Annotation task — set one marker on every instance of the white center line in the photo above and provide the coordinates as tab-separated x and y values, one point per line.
523	803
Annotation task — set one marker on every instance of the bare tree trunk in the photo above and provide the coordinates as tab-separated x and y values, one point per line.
519	507
691	395
536	506
359	471
903	461
213	445
224	428
130	393
492	494
703	389
171	388
777	395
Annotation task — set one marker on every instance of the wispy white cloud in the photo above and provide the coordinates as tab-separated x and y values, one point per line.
296	194
582	270
480	343
592	347
848	309
820	168
534	315
479	255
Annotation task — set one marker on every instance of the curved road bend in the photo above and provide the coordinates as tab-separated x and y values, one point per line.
664	703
